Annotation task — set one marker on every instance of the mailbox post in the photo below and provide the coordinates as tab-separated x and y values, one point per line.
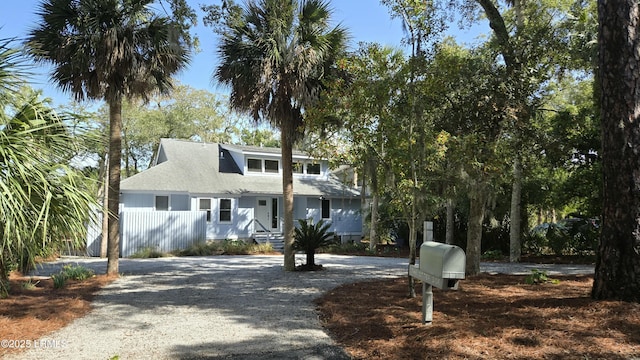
442	266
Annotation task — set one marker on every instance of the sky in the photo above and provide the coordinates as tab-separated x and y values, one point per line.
366	20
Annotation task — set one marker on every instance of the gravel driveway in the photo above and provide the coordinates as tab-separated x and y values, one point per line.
219	307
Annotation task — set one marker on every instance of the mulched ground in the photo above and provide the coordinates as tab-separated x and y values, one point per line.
30	313
489	317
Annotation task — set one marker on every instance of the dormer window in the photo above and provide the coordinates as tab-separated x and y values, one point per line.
263	166
271	166
254	165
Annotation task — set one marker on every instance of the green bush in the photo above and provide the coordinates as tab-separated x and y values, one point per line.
572	236
539	277
534	243
492	255
201	249
30	284
71	272
260	248
235	247
309	238
348	248
76	272
59	281
226	247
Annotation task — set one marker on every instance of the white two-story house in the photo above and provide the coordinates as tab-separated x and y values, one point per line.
238	191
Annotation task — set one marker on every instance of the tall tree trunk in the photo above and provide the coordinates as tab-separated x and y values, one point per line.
115	156
363	199
287	193
126	156
373	231
103	194
617	274
515	231
477	200
105	212
311	259
450	225
412	251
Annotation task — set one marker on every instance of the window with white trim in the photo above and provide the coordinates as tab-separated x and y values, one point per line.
297	167
205	205
326	209
271	166
254	165
224	211
313	168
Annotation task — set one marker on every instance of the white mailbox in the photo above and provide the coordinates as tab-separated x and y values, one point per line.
442	266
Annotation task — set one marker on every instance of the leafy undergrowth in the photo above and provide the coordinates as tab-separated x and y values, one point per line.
489	317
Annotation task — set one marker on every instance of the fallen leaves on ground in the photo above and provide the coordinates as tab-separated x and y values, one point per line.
489	317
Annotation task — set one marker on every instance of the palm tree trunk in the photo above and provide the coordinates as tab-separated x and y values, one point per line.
311	259
287	194
104	194
115	146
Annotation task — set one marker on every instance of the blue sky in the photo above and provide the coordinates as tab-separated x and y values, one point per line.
367	21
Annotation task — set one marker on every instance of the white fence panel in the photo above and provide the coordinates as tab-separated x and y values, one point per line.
160	230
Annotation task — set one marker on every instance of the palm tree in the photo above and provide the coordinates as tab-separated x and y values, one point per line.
108	50
309	238
274	55
44	200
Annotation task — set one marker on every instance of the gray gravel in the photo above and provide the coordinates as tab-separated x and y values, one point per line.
239	307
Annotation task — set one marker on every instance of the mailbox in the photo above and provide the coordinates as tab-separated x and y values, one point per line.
442	266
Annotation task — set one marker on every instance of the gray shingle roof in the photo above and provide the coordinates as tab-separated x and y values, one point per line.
194	167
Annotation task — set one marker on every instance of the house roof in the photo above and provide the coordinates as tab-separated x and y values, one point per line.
197	168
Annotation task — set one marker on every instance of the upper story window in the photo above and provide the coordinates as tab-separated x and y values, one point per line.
313	169
263	166
297	167
254	165
271	166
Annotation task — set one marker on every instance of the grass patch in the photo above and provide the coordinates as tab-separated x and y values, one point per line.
226	247
30	284
71	272
148	252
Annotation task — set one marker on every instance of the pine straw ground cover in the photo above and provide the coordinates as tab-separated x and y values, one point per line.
489	317
36	309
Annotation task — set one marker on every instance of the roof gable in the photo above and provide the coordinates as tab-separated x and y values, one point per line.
210	168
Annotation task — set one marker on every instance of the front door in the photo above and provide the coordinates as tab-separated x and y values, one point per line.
267	215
